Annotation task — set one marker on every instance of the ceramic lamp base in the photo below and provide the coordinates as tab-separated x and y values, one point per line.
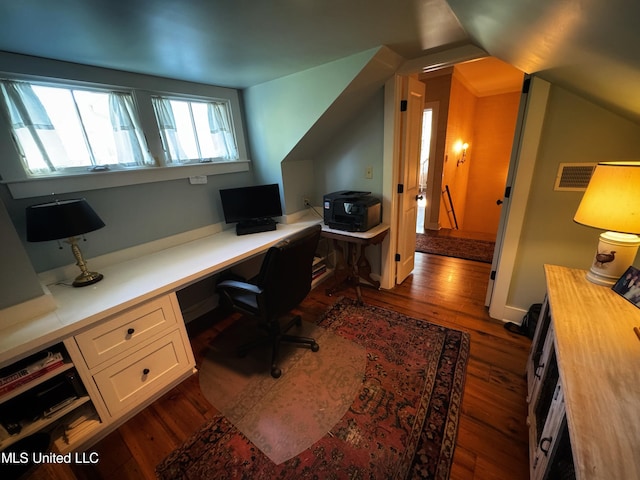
616	252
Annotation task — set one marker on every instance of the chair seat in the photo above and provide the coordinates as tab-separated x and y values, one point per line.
283	282
249	302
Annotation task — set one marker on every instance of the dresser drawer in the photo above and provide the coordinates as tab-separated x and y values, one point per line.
126	330
143	373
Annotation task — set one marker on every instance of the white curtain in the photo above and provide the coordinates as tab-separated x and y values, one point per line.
220	124
130	142
28	119
41	148
168	129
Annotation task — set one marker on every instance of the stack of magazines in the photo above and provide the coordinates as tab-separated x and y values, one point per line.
319	267
37	368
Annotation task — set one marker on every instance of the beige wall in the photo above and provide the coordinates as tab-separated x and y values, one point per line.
487	124
494	126
460	124
575	130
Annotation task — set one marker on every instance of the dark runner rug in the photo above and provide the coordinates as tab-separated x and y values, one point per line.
467	248
403	422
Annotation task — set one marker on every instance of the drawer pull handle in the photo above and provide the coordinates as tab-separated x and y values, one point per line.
542	442
145	371
131	331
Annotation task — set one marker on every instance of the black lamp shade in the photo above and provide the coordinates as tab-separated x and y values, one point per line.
61	219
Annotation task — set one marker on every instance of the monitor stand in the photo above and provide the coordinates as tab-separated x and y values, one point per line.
255	226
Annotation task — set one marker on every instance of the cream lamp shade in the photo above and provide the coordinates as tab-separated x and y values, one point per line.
612	203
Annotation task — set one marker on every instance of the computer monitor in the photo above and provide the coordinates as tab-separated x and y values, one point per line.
252	208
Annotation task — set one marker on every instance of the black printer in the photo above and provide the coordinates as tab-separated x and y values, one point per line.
351	211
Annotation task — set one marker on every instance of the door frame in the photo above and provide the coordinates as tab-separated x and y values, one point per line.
522	164
392	141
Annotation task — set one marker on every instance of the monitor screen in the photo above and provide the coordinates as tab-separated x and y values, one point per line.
249	203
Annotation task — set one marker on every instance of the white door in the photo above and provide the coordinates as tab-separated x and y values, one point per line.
523	158
513	163
408	182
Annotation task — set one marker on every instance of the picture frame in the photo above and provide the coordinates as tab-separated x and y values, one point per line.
628	286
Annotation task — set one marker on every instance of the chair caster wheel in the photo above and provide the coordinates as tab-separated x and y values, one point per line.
276	372
315	347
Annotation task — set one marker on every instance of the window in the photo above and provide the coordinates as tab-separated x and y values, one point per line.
195	131
77	135
62	130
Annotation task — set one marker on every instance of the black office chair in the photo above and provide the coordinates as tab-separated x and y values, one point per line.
283	282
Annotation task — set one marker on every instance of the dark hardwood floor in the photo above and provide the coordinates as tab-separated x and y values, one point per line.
492	436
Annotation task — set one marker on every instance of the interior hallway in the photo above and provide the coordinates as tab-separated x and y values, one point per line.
449	232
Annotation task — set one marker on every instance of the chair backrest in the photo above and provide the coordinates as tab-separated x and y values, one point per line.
285	274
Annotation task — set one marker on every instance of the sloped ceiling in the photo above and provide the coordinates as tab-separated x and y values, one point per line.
589	46
586	45
236	43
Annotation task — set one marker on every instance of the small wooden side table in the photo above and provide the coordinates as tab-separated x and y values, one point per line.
351	268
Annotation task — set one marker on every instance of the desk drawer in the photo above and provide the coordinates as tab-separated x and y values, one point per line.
126	330
145	372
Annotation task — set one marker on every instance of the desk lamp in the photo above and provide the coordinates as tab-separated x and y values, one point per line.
65	219
612	202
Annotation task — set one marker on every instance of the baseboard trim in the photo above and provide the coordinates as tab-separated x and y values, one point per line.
513	314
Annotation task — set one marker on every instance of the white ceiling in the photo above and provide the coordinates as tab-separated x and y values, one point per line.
590	46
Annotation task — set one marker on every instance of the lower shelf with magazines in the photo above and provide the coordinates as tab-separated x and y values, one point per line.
43	394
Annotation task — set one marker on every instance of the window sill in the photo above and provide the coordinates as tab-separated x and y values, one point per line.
37	187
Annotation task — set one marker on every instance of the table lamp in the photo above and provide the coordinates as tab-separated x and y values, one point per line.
65	219
612	202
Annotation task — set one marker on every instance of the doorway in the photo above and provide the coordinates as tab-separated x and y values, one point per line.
467	153
425	184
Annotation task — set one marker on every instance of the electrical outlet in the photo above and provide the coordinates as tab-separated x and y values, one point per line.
198	180
306	202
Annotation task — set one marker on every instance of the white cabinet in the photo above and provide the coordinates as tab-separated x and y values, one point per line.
97	378
145	372
127	330
130	359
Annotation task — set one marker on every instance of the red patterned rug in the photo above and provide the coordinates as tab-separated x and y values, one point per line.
467	248
402	424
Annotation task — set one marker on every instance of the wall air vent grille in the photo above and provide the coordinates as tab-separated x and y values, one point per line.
574	177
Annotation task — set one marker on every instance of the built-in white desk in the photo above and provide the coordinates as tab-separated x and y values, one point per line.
125	335
132	282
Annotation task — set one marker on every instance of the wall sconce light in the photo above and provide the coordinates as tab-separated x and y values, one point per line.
460	149
611	203
65	219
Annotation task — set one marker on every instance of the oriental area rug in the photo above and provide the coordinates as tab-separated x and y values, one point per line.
402	421
275	414
448	246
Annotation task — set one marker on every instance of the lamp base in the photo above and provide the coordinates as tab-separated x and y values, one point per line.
616	252
87	278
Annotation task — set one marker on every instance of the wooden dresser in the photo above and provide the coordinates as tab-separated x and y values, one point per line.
583	379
